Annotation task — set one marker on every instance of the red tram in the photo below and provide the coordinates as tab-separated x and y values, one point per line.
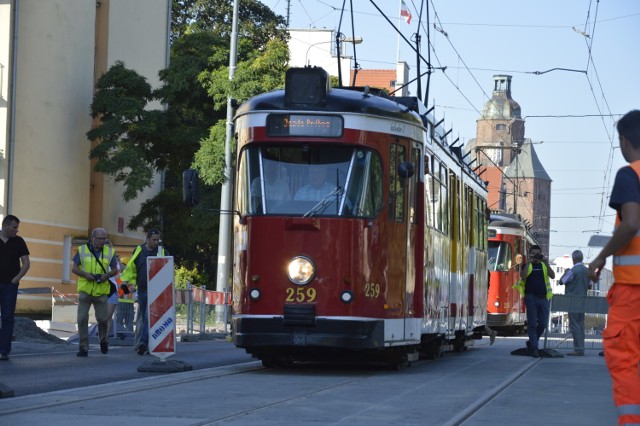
509	242
360	233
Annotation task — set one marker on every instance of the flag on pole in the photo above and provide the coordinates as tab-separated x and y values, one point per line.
404	11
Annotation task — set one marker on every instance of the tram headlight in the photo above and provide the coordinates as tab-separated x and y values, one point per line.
496	304
301	270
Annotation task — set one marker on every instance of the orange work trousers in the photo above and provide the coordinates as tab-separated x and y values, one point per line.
622	350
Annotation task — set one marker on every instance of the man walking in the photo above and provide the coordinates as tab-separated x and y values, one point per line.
94	264
136	273
576	282
14	264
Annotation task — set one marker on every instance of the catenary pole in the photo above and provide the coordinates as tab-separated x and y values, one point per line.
224	234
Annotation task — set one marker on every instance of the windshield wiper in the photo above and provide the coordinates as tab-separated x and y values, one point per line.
322	204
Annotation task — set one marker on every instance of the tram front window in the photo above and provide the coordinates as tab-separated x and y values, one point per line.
309	180
500	257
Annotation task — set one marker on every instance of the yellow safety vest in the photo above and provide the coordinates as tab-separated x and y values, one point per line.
520	284
89	263
626	261
130	273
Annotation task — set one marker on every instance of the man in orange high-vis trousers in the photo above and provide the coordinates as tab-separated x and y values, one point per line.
622	335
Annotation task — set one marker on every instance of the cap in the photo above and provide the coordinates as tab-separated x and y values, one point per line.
124	260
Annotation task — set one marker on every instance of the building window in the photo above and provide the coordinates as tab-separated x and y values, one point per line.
392	83
501	126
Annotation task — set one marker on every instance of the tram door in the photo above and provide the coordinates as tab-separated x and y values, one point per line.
401	262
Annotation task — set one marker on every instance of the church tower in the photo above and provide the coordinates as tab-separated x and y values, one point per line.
517	181
500	130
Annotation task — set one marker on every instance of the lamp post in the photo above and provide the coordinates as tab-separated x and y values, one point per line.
354	40
339	40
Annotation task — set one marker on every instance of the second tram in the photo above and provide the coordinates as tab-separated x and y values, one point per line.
509	242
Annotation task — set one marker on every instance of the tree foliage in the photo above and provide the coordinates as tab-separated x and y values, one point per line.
136	140
257	72
256	22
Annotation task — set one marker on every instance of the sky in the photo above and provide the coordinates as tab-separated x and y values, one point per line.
569	115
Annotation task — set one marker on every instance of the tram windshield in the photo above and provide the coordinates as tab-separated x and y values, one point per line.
500	256
309	180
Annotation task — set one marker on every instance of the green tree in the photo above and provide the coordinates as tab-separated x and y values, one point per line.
256	22
256	72
137	141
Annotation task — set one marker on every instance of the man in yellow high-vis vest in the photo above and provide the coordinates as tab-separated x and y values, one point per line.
534	285
94	264
622	335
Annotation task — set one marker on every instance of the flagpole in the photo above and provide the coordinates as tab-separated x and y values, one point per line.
399	21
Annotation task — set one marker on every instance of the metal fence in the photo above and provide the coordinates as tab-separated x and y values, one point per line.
595	309
198	312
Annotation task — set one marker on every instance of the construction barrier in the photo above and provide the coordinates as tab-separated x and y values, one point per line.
595	308
161	307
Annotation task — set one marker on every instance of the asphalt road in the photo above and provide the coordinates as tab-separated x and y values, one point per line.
483	386
44	367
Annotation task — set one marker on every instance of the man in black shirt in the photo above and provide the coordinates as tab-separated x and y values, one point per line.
14	264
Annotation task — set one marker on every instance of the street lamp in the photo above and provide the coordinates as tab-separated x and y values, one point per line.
354	40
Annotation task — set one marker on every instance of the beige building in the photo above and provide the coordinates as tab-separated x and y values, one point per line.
51	54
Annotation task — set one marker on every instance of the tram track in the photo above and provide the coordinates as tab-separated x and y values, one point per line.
490	395
245	393
35	402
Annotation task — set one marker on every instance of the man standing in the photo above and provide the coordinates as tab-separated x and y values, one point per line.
136	273
534	285
14	264
622	334
576	282
94	264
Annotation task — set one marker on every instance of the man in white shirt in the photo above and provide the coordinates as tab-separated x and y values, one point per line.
318	187
576	282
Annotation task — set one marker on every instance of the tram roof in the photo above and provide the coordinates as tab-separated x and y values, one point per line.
339	100
506	220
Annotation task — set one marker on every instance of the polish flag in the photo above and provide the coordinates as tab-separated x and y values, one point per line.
404	11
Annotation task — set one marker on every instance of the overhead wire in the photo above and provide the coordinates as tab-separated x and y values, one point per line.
592	77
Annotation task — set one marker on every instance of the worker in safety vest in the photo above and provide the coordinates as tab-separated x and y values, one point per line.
94	264
622	334
534	285
125	310
136	273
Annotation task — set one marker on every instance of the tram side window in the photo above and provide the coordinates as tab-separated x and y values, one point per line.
457	199
365	184
469	226
413	192
249	202
396	183
436	197
482	229
428	193
444	197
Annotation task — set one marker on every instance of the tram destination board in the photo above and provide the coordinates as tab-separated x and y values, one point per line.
305	125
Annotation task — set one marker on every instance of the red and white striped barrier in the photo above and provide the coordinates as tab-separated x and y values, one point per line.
210	297
161	306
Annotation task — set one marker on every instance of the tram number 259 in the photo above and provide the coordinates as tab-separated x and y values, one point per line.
301	294
372	290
